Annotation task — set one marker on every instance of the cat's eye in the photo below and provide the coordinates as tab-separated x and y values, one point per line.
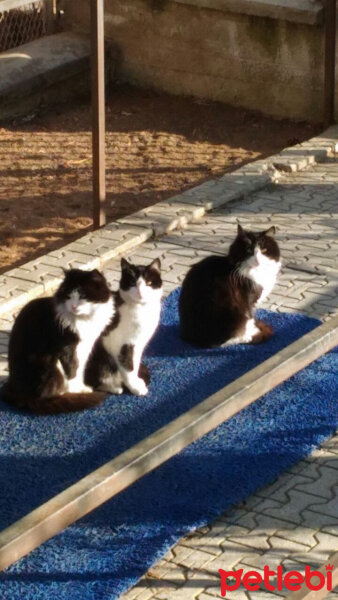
148	282
263	250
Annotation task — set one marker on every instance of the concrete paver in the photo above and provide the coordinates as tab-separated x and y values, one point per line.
293	522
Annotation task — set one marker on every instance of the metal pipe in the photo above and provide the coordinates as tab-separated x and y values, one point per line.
98	112
50	16
113	477
306	594
330	62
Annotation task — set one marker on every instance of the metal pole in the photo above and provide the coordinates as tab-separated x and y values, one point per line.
50	21
306	594
330	62
98	112
113	477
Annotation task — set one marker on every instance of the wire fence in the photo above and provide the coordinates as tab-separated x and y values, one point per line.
24	23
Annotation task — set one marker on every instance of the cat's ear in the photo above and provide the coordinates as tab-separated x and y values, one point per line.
156	265
240	230
96	275
271	231
125	265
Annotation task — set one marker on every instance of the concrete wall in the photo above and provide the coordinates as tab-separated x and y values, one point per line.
258	62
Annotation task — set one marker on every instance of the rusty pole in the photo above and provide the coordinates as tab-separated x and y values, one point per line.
330	62
98	112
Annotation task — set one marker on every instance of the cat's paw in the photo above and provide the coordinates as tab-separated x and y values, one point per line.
137	387
118	390
111	388
112	383
86	389
76	386
265	332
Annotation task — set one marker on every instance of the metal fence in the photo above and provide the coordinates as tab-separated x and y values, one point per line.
22	21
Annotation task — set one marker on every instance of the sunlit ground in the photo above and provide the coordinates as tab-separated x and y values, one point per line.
157	146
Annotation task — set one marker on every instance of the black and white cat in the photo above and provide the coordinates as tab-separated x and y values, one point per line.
219	293
116	359
51	341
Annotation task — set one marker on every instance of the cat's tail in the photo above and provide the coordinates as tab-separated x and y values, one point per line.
70	402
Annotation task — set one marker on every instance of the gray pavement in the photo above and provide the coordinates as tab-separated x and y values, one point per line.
294	521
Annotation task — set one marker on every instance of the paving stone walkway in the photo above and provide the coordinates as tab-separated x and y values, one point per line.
294	521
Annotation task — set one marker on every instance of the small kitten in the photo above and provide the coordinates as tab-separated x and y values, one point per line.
116	359
51	341
219	293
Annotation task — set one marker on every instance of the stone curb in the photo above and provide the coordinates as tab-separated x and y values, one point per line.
309	12
53	59
93	250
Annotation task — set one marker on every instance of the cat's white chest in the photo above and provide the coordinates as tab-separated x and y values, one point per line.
88	331
136	326
265	275
90	328
139	321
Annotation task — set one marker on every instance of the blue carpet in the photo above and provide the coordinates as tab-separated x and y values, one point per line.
105	553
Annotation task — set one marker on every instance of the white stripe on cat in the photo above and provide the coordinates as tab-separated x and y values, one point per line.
88	323
262	271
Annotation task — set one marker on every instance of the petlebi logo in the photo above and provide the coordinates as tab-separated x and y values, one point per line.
291	580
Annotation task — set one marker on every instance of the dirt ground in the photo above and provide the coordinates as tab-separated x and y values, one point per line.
157	145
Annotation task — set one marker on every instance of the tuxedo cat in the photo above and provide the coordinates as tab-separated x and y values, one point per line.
219	293
51	341
116	359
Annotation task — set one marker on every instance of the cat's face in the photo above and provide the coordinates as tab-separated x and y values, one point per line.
81	291
254	249
141	284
